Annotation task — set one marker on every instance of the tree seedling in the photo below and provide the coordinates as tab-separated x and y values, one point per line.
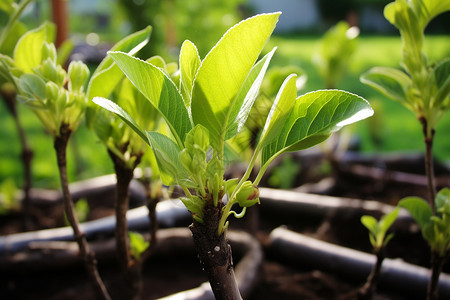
209	105
379	239
126	149
435	229
58	99
421	86
335	51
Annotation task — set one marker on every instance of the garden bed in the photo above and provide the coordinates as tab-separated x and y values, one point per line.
27	268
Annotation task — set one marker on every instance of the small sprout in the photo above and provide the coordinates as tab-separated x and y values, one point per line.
137	244
435	228
81	211
378	230
379	240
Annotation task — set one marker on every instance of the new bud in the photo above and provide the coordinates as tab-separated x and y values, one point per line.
48	51
248	195
78	74
199	136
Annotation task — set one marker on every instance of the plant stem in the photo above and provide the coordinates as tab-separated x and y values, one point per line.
215	253
131	269
152	201
437	263
368	289
10	98
13	19
429	165
232	199
60	144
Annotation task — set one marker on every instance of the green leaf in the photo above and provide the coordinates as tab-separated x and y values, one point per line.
280	111
116	109
32	90
388	239
428	9
137	243
370	223
442	198
27	53
429	234
223	72
159	89
418	208
402	16
336	48
10	41
82	209
141	110
167	155
107	75
247	96
6	63
194	205
442	79
157	61
389	81
314	117
189	64
387	220
7	6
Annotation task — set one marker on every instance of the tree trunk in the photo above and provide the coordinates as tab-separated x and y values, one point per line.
214	253
131	268
437	263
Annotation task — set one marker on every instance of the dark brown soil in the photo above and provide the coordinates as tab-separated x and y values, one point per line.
166	275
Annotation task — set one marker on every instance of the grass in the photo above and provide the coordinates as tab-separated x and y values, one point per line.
392	129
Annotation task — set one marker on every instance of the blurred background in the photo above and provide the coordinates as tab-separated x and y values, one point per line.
93	26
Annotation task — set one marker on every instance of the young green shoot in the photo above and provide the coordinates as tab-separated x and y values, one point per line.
58	99
208	106
435	230
421	86
379	239
125	148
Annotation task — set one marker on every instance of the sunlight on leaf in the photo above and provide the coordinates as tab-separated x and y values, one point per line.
189	64
116	109
314	117
159	89
27	54
224	70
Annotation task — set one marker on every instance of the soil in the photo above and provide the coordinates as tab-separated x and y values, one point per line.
279	279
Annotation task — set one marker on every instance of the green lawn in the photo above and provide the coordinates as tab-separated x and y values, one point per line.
398	128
